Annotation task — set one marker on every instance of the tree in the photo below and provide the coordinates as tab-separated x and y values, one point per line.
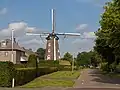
83	58
41	53
68	56
95	59
32	60
108	36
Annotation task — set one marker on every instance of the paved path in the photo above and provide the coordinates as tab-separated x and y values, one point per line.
92	78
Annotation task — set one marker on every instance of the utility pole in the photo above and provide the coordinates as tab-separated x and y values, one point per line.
12	44
12	56
73	64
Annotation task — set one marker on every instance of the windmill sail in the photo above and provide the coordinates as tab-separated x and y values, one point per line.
52	46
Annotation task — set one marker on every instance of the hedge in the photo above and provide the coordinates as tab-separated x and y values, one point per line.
6	74
45	63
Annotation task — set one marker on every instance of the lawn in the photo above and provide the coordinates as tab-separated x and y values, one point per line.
63	75
56	79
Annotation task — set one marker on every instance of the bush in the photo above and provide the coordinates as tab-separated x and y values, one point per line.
48	63
32	60
104	66
20	65
25	75
6	74
64	67
118	68
42	63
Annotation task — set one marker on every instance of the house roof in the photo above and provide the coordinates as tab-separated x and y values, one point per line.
29	52
8	45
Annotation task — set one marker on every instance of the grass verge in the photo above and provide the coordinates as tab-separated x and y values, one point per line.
113	75
63	75
56	79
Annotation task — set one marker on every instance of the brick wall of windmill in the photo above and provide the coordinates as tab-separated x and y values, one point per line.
50	51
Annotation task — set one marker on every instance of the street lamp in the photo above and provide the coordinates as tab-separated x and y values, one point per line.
73	63
12	57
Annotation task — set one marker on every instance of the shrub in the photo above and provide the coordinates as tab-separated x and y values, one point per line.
32	60
25	75
104	66
118	68
64	67
48	63
6	74
20	65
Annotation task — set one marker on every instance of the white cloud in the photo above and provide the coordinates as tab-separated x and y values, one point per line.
85	42
3	11
81	26
35	42
89	35
20	29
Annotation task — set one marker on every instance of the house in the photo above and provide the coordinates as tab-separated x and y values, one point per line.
28	52
6	52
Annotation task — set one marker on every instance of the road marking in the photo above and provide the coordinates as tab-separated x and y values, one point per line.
82	83
116	84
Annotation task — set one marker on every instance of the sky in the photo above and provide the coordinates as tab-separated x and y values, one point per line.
81	16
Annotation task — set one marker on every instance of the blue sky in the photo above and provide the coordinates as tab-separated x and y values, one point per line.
70	14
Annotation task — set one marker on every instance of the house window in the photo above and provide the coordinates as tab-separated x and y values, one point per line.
6	53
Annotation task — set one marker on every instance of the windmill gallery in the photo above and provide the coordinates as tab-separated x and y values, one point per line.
52	47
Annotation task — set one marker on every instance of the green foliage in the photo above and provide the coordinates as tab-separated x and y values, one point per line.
104	66
64	67
6	74
95	59
83	58
108	39
59	79
25	75
48	63
32	60
118	68
20	65
39	82
41	53
68	56
64	75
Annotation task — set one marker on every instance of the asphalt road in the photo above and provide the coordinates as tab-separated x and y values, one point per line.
92	78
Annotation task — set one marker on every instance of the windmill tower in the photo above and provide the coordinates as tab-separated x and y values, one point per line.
52	46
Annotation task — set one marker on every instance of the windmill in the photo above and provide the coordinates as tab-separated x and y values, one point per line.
52	46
